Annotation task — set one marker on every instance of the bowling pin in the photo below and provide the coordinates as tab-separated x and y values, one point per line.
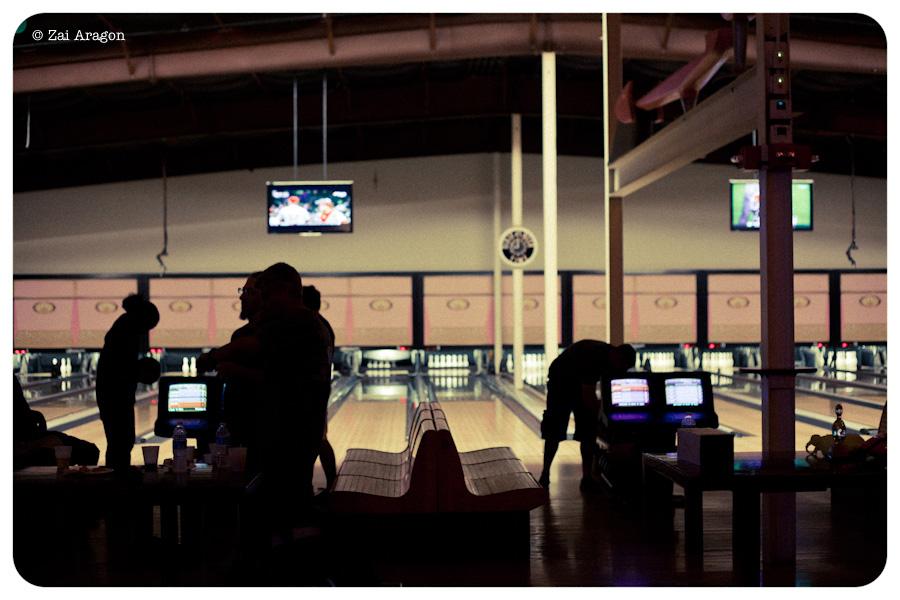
193	366
185	366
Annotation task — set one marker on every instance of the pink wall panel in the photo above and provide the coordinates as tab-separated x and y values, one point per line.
864	307
659	309
227	287
186	317
43	323
384	320
735	311
811	308
458	310
66	313
43	288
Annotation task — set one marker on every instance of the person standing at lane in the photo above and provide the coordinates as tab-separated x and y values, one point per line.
241	402
312	299
292	372
571	388
119	370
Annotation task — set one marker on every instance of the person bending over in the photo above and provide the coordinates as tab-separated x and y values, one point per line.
571	388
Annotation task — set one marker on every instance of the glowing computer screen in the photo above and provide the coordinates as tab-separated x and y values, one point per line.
187	397
629	392
684	391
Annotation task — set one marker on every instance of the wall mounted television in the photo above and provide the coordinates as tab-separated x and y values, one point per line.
745	204
309	206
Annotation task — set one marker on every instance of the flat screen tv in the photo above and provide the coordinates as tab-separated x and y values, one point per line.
745	204
309	206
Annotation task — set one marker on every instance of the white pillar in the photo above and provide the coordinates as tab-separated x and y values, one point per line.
517	275
498	272
551	281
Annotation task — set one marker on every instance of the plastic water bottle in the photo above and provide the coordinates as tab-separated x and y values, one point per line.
179	448
223	440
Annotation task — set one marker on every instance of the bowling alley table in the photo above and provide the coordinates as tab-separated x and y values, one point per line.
101	492
750	477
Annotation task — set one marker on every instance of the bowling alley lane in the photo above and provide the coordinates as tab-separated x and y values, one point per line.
372	416
375	414
62	407
144	417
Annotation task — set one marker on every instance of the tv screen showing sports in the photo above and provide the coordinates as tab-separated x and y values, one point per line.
187	398
629	393
684	391
745	204
309	206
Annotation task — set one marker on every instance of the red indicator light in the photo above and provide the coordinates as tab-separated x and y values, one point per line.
711	346
686	346
844	344
820	345
402	348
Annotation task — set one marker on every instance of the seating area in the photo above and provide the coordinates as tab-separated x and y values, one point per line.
431	476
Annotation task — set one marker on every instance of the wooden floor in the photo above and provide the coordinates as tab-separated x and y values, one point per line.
593	539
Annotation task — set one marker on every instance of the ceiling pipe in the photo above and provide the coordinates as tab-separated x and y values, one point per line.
453	42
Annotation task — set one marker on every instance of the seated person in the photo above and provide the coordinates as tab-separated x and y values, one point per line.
34	446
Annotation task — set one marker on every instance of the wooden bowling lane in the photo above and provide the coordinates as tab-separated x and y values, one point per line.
748	421
144	419
365	423
865	416
486	423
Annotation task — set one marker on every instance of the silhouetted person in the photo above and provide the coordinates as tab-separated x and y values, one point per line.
33	445
241	402
294	377
571	388
312	298
119	370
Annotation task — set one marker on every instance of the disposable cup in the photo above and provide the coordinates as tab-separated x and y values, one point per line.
151	456
63	456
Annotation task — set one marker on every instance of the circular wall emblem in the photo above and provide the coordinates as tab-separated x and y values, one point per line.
236	306
180	306
43	308
458	304
599	303
325	305
801	301
517	246
665	302
738	302
870	301
106	307
381	304
530	304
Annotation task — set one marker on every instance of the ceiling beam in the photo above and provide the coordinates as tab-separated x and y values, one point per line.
512	38
722	118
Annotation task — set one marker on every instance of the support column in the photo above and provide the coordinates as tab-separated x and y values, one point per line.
551	271
612	205
779	522
498	272
518	282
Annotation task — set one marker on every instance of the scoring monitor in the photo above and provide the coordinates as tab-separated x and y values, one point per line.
684	391
187	397
629	393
